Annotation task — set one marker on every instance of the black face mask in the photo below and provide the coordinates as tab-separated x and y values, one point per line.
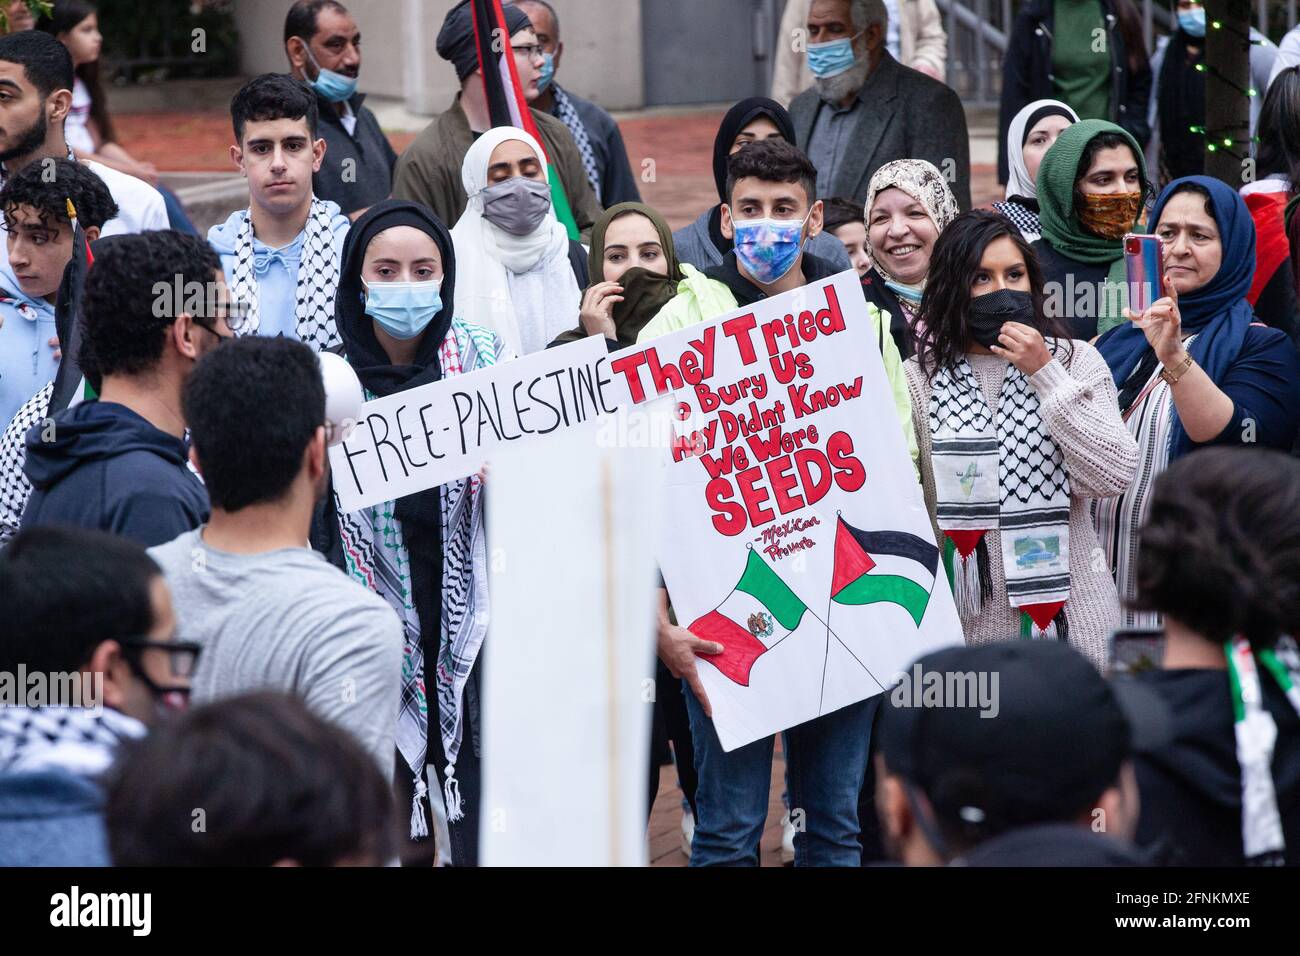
988	313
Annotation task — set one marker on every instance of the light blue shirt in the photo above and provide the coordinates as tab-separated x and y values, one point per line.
26	359
276	270
277	286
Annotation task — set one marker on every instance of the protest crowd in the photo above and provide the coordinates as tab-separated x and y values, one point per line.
1110	482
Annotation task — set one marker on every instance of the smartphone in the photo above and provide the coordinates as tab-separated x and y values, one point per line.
1133	650
1145	267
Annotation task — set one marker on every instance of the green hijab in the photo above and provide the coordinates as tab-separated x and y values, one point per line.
1060	222
644	292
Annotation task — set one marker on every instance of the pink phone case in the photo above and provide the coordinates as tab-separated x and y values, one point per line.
1145	268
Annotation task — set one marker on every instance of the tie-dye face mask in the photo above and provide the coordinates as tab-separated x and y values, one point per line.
768	248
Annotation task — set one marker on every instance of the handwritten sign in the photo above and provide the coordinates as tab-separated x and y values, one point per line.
796	534
426	436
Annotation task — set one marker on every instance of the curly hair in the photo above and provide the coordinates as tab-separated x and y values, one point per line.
124	332
47	185
1220	551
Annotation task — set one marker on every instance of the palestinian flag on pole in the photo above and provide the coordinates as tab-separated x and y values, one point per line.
894	567
506	103
69	385
758	614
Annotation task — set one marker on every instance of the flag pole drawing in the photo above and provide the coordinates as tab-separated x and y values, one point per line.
760	612
879	567
894	567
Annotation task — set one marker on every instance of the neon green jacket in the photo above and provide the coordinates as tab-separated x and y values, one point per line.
700	299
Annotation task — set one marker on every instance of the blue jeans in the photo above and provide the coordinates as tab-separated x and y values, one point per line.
826	759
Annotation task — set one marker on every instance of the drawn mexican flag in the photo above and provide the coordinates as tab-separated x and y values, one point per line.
758	614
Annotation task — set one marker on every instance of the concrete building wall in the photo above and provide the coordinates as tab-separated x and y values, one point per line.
602	49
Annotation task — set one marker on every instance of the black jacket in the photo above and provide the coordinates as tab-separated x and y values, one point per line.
883	298
110	470
746	293
1191	787
1027	74
904	114
357	171
1051	844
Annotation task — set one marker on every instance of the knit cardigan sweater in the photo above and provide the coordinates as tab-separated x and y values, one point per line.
1079	406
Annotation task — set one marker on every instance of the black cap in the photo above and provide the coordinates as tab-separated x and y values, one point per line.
456	43
1013	733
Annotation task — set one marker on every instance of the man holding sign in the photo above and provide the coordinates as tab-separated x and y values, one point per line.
771	211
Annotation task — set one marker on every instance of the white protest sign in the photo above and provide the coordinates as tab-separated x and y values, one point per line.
796	533
425	436
569	660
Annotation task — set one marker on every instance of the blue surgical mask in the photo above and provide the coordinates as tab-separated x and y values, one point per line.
768	248
831	59
403	309
548	72
335	87
1192	22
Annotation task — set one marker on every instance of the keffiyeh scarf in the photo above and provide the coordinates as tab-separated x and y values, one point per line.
376	555
74	739
318	276
568	115
1001	470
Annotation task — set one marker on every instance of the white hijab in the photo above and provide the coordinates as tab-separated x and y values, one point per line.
520	287
1019	182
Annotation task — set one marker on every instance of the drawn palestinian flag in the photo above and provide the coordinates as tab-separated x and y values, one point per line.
892	567
758	614
507	105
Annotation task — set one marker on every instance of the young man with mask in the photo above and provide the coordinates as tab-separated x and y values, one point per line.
323	45
770	212
866	109
119	463
281	254
1012	754
36	76
269	612
429	171
594	131
87	608
39	237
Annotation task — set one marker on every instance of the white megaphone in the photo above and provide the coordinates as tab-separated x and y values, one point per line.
343	397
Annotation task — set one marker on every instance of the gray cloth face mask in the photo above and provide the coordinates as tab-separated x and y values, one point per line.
517	205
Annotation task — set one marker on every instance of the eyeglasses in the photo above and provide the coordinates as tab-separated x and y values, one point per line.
183	655
530	50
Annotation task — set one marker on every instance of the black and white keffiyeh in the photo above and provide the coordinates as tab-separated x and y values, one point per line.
1001	470
376	555
78	740
318	276
1024	218
568	115
15	489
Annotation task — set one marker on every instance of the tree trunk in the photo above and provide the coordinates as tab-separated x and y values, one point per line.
1227	106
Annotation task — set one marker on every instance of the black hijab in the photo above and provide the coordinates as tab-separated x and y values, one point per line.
737	118
360	346
419	513
1180	98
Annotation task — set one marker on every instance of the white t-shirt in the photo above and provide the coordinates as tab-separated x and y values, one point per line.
139	205
75	128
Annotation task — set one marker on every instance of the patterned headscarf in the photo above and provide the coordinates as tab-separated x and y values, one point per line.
924	183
